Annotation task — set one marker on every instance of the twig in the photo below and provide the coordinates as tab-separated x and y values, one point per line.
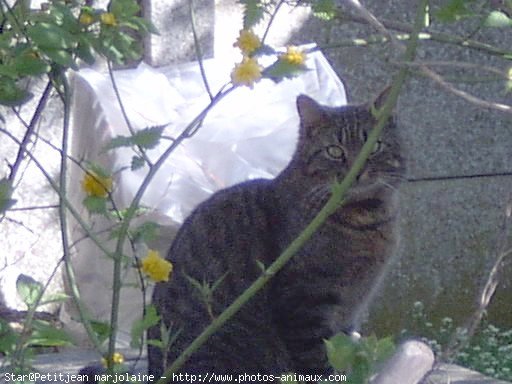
466	96
199	53
455	64
488	290
63	219
271	20
372	20
123	111
30	130
131	210
431	35
37	207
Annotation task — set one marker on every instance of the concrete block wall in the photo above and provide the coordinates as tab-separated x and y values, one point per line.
459	168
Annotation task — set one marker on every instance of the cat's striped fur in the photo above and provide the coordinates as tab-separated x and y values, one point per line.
282	328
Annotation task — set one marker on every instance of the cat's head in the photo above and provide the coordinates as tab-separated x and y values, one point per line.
330	139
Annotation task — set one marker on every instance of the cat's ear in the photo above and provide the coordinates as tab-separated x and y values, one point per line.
311	113
380	100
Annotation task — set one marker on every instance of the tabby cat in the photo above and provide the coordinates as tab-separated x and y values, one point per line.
282	328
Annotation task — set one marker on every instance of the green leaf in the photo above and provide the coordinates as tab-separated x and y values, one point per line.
253	12
55	298
341	351
118	142
454	11
218	282
95	204
10	94
46	35
146	232
85	51
360	370
29	64
148	138
64	17
385	348
47	335
6	191
150	319
137	163
8	338
29	290
498	19
60	56
124	8
282	69
324	9
99	170
102	329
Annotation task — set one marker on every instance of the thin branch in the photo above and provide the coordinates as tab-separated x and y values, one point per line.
84	317
37	207
132	209
271	20
30	130
455	64
199	53
373	21
464	95
485	296
123	112
430	35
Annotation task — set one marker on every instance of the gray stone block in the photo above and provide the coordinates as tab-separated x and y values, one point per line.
176	42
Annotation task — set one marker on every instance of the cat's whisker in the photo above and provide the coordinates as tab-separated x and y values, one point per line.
386	184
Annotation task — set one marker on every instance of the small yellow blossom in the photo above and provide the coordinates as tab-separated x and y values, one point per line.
247	41
96	185
109	19
247	72
294	56
157	268
117	358
86	18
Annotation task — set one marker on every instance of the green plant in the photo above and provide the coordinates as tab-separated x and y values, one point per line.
488	351
358	359
19	346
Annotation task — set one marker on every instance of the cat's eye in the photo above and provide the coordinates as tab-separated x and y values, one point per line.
335	152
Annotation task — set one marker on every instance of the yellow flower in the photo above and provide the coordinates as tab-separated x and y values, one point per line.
117	358
86	18
294	56
96	185
246	73
157	268
247	41
109	19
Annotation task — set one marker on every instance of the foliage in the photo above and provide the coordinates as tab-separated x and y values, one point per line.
489	351
358	359
58	36
19	346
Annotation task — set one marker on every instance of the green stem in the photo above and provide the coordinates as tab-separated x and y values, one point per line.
334	202
409	32
63	217
199	53
132	209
